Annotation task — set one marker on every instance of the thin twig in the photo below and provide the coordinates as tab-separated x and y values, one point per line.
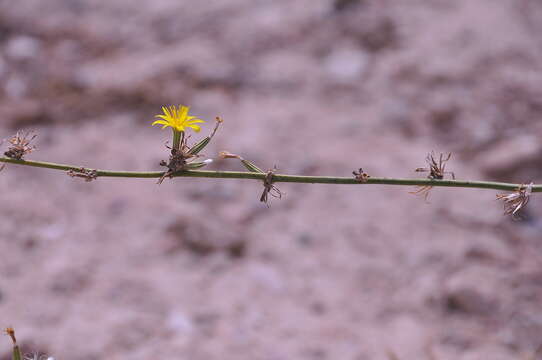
280	178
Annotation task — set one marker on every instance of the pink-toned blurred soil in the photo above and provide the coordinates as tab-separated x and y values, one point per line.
198	268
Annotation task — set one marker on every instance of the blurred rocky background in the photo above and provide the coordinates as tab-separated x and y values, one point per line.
198	268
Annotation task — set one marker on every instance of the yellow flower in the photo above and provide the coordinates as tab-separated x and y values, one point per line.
178	119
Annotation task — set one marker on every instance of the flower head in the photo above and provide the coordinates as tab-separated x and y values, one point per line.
515	201
178	118
20	145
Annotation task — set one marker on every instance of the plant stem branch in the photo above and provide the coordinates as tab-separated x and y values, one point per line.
280	178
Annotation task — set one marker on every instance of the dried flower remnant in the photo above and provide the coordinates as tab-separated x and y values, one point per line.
176	162
16	353
20	145
361	176
517	200
269	188
11	333
436	170
87	174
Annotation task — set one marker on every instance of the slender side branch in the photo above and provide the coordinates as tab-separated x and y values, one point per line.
280	178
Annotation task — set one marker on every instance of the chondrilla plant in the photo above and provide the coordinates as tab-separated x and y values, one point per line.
183	162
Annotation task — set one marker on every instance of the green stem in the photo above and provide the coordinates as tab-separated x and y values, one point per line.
16	355
281	178
178	137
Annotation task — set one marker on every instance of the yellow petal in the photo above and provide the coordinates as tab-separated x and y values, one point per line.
163	117
161	122
194	118
166	111
173	112
195	127
194	122
183	112
178	118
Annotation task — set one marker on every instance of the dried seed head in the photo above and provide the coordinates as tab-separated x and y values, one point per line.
361	176
20	145
436	169
269	188
517	200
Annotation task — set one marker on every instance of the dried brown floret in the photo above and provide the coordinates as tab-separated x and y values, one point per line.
436	170
11	333
269	188
20	145
361	176
517	200
177	160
